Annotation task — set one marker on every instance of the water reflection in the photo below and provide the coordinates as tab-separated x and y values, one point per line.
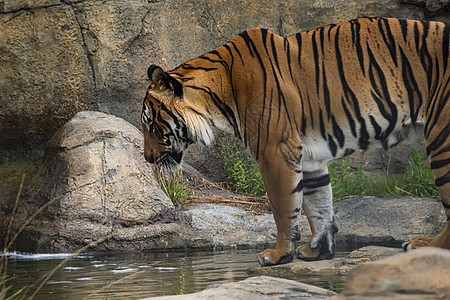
137	275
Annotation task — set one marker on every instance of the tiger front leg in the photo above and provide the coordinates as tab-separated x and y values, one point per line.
318	207
283	181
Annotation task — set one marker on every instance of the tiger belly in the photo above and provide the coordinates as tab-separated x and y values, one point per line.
317	153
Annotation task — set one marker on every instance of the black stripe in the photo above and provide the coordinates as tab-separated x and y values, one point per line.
412	88
388	38
436	164
322	125
298	36
214	52
287	47
237	51
363	140
298	188
355	28
309	192
425	57
351	122
444	179
274	54
440	107
332	145
417	36
447	206
317	182
326	92
404	27
439	140
337	131
376	127
316	60
189	67
383	92
322	33
281	97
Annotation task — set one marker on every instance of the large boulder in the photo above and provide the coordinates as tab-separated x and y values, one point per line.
419	274
97	184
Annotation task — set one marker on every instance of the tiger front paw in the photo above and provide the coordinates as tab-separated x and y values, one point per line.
271	257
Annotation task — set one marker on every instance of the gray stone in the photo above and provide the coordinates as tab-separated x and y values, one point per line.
226	226
386	221
361	221
98	183
261	287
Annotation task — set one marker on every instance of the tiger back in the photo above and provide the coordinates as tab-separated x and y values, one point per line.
300	102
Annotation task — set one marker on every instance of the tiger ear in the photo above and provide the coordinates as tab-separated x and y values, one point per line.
162	81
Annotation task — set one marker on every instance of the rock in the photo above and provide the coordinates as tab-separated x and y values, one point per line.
261	287
419	274
61	57
98	182
361	221
96	166
226	226
386	221
45	78
301	270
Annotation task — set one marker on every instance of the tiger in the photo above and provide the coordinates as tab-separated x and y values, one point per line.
302	101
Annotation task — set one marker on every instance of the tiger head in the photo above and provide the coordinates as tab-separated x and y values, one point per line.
166	134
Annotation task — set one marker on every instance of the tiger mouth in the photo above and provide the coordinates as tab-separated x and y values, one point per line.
170	159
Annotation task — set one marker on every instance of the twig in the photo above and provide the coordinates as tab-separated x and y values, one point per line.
115	282
4	260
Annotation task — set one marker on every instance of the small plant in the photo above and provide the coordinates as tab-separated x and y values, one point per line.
242	173
417	181
420	179
174	186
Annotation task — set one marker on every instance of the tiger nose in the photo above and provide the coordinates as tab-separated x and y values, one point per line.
149	158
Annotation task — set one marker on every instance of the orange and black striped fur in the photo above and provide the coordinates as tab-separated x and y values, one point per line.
299	102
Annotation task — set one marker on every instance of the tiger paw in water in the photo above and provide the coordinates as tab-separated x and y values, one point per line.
270	257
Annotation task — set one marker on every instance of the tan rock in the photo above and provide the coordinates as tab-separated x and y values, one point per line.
261	287
419	274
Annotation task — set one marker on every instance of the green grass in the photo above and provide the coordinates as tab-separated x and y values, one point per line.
418	180
242	173
243	176
174	186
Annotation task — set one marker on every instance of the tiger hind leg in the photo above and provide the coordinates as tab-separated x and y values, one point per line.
318	207
438	149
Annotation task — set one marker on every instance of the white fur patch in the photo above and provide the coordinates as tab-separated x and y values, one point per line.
200	127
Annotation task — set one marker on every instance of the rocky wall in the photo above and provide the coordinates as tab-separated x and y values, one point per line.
61	57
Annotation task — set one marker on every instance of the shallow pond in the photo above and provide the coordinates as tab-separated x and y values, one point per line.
137	275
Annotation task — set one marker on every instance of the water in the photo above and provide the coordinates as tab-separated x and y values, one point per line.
136	275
